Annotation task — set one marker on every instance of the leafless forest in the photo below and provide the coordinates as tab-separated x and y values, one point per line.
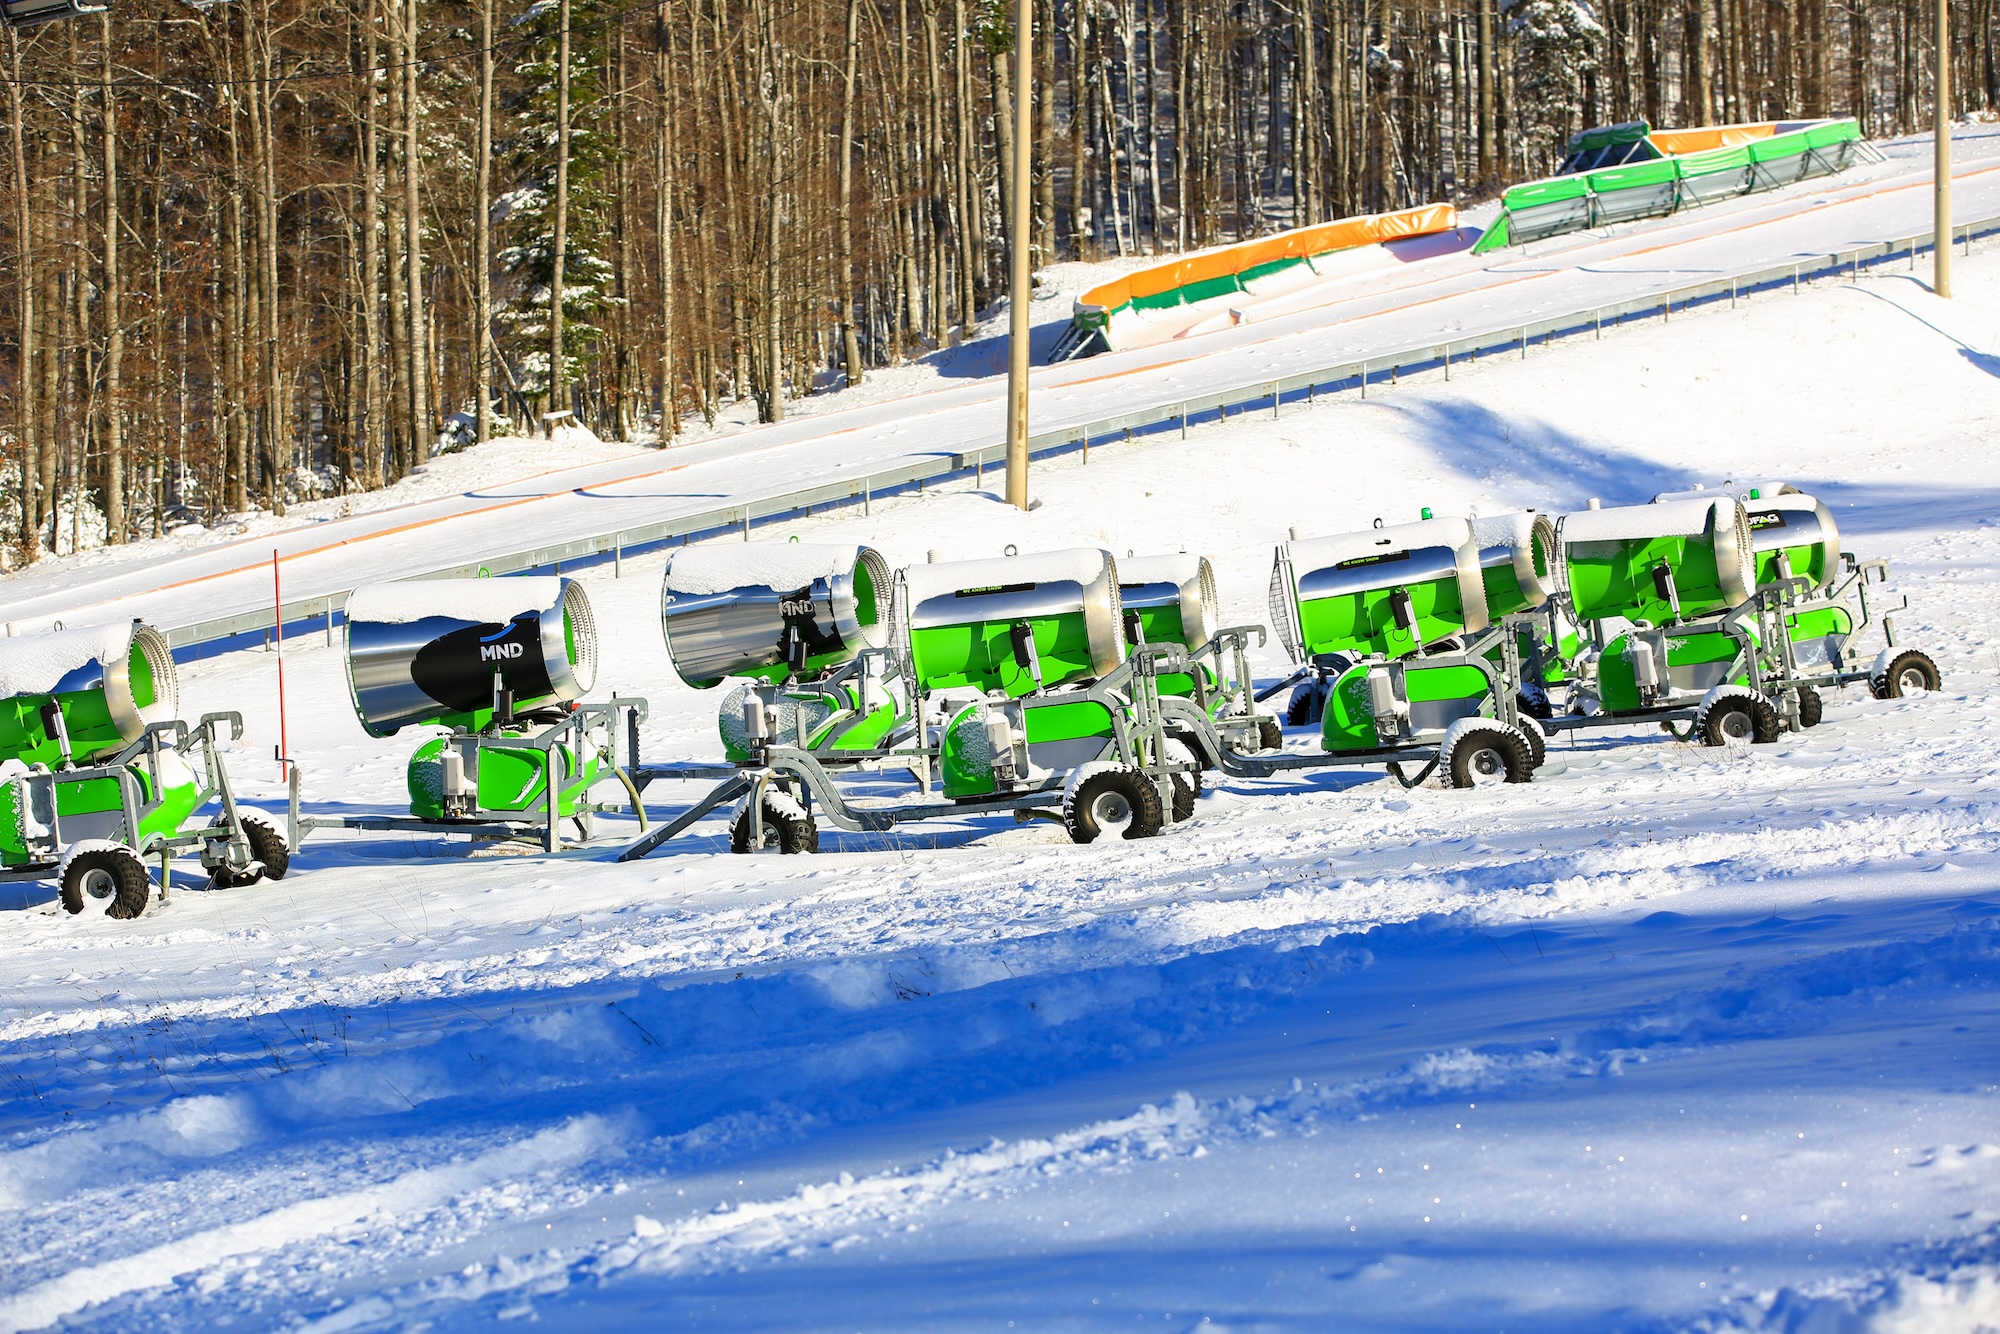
277	249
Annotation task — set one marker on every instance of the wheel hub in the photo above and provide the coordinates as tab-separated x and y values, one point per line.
1911	681
1737	728
98	883
1112	812
1487	766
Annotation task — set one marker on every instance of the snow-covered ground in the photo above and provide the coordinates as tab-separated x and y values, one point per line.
1670	1038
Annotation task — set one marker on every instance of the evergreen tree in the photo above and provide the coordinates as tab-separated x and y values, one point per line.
1556	44
527	212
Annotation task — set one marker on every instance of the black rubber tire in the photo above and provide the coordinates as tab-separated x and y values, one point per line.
267	845
1538	741
1270	736
1299	713
1909	673
1098	796
789	830
1533	708
1811	707
1186	788
1194	752
1488	753
1735	719
114	874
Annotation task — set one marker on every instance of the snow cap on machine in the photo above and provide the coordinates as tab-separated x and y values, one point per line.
1516	552
771	608
131	665
424	650
1792	534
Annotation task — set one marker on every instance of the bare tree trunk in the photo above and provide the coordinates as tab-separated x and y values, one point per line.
558	359
422	425
25	406
663	211
264	198
482	239
850	344
1490	174
375	436
114	316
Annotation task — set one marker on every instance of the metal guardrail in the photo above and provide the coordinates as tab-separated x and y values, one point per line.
249	628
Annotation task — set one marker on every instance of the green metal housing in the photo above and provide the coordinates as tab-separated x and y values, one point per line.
1386	591
1655	564
1015	625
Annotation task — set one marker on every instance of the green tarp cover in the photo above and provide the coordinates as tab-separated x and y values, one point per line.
1840	132
1712	160
1604	136
1779	146
1546	192
1604	181
1634	176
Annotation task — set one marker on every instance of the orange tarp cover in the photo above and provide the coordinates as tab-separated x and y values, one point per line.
1300	243
1675	143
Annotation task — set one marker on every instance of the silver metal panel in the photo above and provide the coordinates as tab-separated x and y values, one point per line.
1394	570
414	671
745	629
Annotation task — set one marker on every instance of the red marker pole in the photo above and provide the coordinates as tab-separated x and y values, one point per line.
278	633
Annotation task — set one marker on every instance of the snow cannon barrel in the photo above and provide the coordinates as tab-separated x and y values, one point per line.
1383	590
1657	564
445	650
1516	552
1168	600
1793	535
772	610
97	688
1015	625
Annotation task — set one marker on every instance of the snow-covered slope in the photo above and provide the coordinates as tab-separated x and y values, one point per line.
958	404
1669	1038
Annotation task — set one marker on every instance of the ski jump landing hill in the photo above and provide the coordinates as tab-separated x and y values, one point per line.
1343	335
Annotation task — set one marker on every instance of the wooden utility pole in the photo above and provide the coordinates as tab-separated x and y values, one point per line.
1021	279
1941	249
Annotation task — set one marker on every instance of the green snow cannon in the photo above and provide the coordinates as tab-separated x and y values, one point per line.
1674	571
75	695
95	771
1170	600
1655	564
1792	535
494	660
1384	614
1023	634
806	624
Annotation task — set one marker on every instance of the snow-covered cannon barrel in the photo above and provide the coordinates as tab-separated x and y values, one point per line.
771	610
1792	535
451	651
1017	625
95	689
1515	555
1389	591
1168	599
1656	564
